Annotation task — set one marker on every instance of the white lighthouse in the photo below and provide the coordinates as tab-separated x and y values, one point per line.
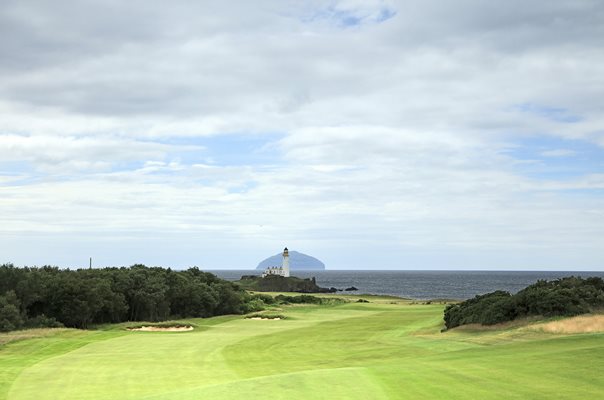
285	264
283	270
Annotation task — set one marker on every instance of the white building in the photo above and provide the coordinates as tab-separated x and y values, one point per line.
283	270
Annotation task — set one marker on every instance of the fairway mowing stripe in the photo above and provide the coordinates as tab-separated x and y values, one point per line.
371	337
35	352
229	331
261	387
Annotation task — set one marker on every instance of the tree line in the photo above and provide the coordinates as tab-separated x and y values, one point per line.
49	296
562	297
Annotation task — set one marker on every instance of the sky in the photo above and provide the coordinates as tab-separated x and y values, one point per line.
370	134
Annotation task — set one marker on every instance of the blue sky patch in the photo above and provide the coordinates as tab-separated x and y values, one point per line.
229	150
551	158
385	14
351	18
14	168
20	170
557	114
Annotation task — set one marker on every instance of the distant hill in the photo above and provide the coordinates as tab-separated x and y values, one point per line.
297	262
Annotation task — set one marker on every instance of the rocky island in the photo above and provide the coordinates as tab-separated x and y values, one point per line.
275	283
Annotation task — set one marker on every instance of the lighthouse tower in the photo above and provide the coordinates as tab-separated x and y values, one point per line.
285	264
283	270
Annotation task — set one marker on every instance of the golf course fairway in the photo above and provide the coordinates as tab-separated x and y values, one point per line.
385	349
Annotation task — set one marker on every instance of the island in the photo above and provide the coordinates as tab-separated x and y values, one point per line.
298	262
277	283
276	276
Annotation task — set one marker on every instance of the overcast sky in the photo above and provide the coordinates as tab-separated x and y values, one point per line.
369	134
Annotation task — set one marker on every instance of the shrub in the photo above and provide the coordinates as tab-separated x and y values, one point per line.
561	297
265	298
302	299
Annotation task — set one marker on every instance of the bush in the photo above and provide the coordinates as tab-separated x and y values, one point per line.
562	297
265	298
253	306
302	299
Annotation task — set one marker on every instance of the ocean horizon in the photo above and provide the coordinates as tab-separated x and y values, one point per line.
421	284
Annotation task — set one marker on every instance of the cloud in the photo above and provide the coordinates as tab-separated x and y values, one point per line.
559	153
359	125
554	113
69	154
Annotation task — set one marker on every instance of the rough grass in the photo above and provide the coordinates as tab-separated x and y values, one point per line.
374	350
14	336
580	324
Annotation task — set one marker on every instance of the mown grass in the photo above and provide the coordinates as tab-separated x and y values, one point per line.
376	350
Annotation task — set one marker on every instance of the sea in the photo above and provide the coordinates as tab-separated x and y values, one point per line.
423	285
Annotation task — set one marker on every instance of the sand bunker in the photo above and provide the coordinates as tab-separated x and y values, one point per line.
162	328
265	319
580	324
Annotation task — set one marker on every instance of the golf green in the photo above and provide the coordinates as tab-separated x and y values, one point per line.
380	350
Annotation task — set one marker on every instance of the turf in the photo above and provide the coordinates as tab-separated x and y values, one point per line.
376	350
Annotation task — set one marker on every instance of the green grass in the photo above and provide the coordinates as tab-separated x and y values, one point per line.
376	350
